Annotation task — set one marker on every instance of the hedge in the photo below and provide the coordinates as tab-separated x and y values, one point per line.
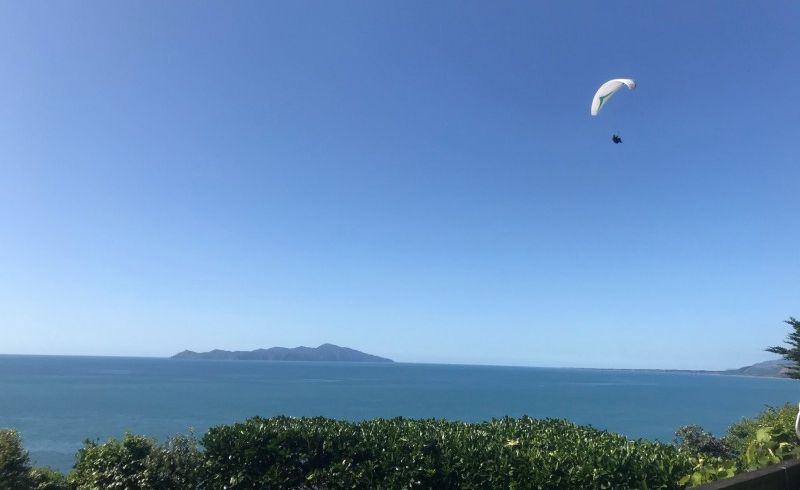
321	453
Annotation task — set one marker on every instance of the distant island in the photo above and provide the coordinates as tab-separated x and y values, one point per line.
325	352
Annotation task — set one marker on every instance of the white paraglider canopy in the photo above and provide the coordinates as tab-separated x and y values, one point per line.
607	90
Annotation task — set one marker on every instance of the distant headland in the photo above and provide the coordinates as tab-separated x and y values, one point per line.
325	352
776	368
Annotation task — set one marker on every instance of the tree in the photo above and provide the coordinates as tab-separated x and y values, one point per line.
15	465
694	439
792	354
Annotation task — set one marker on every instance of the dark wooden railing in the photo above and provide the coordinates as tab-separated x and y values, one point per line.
783	476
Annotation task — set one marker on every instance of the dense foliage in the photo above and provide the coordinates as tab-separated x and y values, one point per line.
693	439
15	465
138	462
507	453
320	453
742	433
765	439
16	472
749	444
284	452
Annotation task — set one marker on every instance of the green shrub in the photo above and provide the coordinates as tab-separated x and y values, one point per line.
693	439
174	464
114	464
137	462
283	452
15	466
707	469
741	434
321	453
749	444
770	446
45	478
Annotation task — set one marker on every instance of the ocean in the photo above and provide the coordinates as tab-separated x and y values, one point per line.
58	402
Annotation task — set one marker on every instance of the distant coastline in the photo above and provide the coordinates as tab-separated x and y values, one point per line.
777	368
325	353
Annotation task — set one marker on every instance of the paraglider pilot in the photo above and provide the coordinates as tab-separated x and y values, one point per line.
616	139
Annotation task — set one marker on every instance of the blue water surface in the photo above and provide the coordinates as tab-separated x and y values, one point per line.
57	402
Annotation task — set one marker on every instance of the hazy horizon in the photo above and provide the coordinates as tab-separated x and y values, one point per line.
401	361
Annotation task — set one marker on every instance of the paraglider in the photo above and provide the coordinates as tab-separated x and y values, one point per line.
604	94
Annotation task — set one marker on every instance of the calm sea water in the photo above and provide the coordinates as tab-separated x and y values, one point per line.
57	402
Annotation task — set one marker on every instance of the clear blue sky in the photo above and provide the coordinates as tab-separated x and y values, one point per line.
419	180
